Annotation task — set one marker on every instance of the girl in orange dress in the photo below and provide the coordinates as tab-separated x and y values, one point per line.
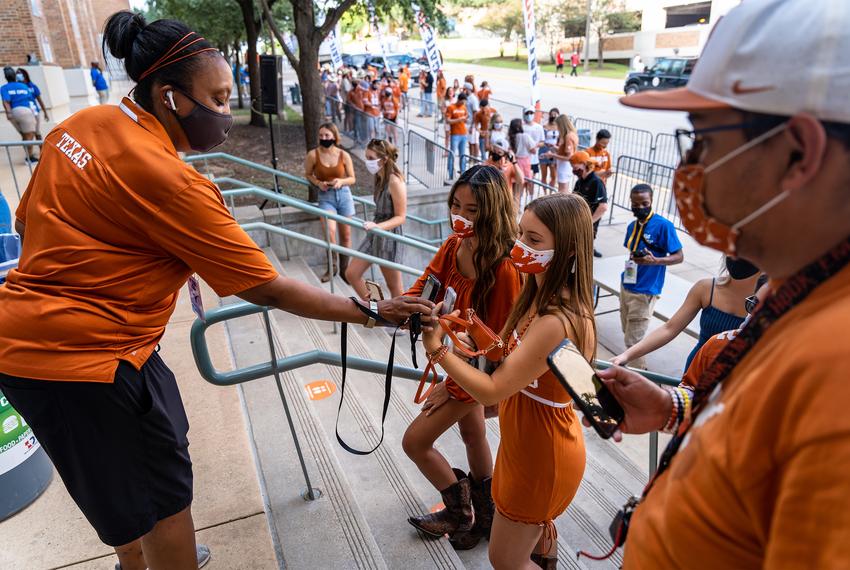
475	262
541	457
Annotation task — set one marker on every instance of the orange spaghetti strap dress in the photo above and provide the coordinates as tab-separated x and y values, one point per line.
500	300
541	456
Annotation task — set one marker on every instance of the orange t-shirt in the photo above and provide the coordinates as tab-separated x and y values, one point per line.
500	301
761	482
457	111
484	94
706	355
390	108
482	120
441	87
601	159
115	224
355	97
372	103
404	81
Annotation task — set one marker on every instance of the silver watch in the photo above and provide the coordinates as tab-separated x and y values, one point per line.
373	306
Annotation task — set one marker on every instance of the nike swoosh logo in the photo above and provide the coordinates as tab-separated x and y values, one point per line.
738	90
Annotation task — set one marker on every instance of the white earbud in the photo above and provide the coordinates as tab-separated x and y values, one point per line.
170	95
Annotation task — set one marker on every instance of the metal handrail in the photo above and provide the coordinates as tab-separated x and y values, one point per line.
306	207
263	226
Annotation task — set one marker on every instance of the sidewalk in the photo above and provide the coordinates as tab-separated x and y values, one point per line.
228	507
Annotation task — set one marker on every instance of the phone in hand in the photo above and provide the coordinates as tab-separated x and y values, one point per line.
639	254
376	293
448	301
430	291
588	392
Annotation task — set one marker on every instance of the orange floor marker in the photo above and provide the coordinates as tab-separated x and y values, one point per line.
320	390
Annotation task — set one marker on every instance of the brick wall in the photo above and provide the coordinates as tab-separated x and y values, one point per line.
622	43
677	39
105	8
18	37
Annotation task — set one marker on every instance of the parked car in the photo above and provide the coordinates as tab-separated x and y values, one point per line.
356	60
394	63
666	73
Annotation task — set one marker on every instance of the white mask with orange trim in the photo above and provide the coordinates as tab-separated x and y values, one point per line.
530	260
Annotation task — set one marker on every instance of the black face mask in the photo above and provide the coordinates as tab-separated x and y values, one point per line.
641	213
205	129
327	143
740	268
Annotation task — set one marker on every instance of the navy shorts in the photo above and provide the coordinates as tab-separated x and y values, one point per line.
120	448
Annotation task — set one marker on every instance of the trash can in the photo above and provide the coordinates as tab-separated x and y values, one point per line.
25	469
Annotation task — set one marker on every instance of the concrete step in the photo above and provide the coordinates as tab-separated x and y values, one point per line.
381	487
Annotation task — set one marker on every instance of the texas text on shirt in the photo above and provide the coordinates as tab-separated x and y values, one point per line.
91	202
762	480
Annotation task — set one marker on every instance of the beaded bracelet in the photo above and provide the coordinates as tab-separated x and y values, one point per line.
672	422
687	397
438	355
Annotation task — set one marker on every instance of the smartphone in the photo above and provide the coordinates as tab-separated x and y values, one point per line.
589	393
641	253
376	293
449	301
430	291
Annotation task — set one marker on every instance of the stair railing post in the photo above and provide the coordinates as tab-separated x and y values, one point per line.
310	494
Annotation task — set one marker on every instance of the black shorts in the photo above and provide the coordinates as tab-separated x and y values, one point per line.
535	168
120	448
559	67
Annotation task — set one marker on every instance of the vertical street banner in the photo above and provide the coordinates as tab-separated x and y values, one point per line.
531	45
373	19
336	50
430	39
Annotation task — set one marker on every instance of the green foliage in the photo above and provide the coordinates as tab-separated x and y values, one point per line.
504	19
624	22
220	21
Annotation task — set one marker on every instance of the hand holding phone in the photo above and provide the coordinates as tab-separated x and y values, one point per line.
588	392
429	292
448	301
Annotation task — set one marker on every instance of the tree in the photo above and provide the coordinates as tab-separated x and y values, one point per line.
310	33
505	20
217	20
608	15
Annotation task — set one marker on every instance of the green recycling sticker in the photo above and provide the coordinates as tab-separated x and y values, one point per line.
17	441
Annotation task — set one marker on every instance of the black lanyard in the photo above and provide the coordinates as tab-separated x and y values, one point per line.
790	294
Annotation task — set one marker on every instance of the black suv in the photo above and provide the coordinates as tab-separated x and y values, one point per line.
667	73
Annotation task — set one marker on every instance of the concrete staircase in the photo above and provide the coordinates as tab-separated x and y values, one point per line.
360	519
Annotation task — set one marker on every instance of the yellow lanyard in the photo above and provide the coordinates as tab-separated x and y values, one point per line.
637	233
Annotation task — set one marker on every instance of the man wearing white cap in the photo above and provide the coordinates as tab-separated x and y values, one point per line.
756	475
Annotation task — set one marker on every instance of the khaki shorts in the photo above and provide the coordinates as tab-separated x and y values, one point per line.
103	96
24	120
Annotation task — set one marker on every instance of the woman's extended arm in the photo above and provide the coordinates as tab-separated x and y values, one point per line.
669	330
526	363
398	190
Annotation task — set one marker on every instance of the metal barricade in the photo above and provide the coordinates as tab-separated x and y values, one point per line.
18	169
625	141
631	171
506	109
422	113
427	161
665	150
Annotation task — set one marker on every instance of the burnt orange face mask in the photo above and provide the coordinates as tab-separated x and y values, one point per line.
689	190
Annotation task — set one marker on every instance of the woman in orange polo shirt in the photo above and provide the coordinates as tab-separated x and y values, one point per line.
113	224
475	263
541	455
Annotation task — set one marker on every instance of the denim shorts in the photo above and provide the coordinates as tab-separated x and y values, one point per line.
339	201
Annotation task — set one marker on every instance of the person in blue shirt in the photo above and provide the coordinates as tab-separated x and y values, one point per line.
653	245
36	104
17	100
99	82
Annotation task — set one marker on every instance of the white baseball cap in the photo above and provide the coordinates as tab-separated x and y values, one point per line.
501	144
779	57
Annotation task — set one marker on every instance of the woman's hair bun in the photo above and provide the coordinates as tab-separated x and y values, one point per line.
120	33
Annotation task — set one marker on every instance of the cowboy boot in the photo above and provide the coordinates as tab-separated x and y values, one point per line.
545	562
482	502
329	274
343	265
457	516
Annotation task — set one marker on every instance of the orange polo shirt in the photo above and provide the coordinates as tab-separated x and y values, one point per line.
404	81
762	481
115	224
457	111
601	159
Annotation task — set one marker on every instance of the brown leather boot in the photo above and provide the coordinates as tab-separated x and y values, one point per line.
482	502
545	562
457	516
343	265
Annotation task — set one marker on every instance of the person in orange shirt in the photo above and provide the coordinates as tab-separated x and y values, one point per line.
600	155
484	92
456	117
756	473
541	455
372	108
483	221
113	223
441	94
389	109
481	122
404	84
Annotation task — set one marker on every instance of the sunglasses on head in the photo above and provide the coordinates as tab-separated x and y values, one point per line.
750	304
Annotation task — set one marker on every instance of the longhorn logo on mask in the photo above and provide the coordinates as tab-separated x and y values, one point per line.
461	226
529	260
